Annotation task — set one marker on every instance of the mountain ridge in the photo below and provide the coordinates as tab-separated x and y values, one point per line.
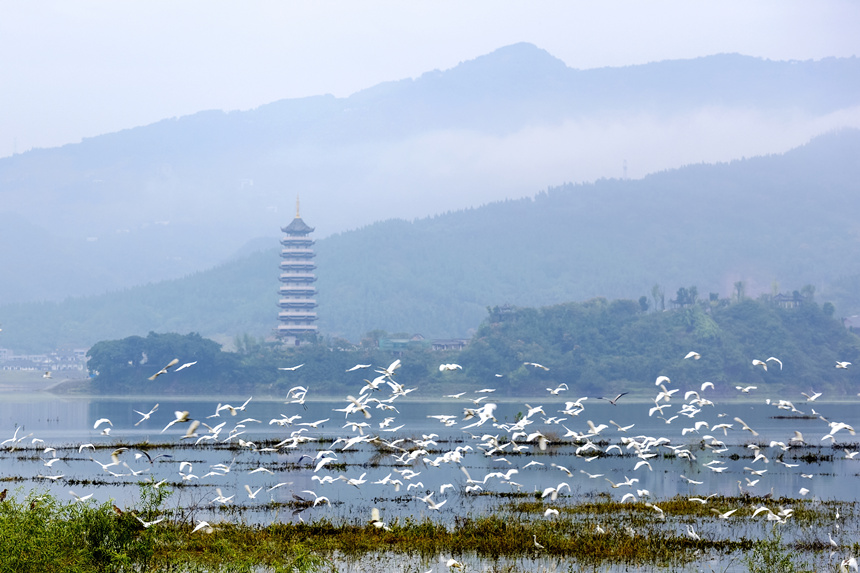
786	218
180	195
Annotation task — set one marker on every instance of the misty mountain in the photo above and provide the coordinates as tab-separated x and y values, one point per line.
185	194
775	222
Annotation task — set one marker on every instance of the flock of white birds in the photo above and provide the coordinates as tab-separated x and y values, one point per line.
369	422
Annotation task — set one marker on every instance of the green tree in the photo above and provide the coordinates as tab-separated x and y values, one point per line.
682	298
739	291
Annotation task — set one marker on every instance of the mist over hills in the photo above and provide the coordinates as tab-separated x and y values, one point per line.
184	194
785	218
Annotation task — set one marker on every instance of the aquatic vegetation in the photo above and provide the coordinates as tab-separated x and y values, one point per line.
770	555
40	534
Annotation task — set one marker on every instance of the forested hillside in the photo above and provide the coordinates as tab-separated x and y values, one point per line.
777	222
597	348
160	201
603	348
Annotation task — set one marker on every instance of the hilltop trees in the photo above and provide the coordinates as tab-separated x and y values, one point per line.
597	347
126	365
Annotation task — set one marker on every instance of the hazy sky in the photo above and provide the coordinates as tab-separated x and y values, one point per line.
78	69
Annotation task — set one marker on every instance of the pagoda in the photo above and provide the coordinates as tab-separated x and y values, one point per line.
297	302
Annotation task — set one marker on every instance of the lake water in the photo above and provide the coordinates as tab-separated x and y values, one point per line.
818	469
68	422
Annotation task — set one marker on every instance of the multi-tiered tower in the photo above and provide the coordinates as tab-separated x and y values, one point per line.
297	302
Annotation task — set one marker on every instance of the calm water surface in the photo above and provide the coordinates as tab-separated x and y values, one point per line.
819	469
59	422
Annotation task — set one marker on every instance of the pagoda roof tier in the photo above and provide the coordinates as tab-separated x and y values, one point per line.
299	264
297	253
297	290
297	227
290	329
297	277
299	303
297	241
290	316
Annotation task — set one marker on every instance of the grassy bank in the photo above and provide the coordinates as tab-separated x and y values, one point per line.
40	534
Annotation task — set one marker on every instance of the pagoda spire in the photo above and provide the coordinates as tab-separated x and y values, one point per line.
298	216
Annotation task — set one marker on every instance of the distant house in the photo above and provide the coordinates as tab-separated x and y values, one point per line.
788	300
417	341
398	345
54	361
19	364
449	344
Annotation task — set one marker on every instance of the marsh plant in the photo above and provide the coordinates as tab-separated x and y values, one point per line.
40	534
769	555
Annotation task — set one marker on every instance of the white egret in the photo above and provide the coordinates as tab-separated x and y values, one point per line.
725	515
180	418
744	426
186	365
358	367
164	370
202	525
80	498
318	499
376	520
146	416
148	524
691	533
775	359
811	397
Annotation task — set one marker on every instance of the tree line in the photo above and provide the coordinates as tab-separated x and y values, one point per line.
596	347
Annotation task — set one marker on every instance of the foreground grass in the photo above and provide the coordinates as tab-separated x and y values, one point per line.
42	535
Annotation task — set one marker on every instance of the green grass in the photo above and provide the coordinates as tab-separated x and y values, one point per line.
40	534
